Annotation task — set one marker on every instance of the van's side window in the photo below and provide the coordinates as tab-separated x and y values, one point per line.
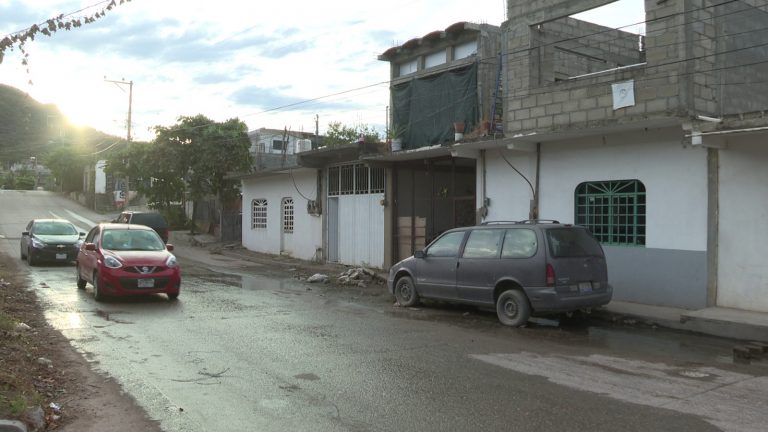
519	243
483	243
446	246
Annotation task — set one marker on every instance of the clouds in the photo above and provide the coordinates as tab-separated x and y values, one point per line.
223	59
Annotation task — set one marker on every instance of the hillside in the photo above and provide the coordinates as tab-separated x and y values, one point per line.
30	128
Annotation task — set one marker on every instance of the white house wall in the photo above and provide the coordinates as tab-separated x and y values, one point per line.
743	206
307	237
361	230
671	268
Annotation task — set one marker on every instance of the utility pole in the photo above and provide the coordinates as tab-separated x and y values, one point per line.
118	83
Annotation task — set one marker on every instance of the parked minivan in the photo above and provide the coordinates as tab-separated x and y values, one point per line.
519	268
154	220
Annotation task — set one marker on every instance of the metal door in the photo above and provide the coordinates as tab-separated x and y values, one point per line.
333	229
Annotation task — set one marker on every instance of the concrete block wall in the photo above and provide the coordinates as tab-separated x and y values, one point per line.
568	47
743	27
676	81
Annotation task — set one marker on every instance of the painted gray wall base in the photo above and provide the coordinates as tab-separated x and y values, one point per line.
12	426
661	277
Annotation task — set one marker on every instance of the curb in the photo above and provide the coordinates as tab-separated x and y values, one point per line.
12	426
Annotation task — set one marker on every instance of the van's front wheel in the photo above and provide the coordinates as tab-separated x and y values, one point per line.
405	292
512	308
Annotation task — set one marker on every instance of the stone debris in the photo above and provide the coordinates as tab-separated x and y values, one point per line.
45	362
358	276
35	418
317	277
21	327
4	284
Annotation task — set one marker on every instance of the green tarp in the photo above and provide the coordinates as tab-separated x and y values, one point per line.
426	109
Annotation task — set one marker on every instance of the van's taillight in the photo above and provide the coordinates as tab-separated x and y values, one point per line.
550	275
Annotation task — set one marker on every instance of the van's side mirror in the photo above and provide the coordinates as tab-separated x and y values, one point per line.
169	247
418	254
90	246
24	233
82	234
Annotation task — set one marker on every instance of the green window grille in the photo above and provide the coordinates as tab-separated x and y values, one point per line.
613	210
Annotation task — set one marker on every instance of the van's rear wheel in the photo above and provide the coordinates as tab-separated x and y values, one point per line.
512	308
405	292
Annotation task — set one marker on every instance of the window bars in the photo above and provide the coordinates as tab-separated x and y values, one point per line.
288	215
259	214
355	179
614	211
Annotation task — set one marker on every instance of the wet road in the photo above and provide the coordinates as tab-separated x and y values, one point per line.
245	352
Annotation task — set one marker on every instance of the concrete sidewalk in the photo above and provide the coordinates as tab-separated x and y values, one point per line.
716	321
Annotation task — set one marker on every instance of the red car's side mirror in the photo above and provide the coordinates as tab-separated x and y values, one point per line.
169	247
90	246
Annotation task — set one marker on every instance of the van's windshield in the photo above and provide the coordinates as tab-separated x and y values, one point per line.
572	242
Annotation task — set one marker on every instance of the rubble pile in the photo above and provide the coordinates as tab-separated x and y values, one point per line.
358	276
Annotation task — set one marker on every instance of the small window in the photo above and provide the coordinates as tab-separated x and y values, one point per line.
465	50
408	67
519	243
259	214
435	59
288	215
446	246
614	211
483	243
278	145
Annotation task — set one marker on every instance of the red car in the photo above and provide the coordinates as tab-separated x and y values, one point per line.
123	259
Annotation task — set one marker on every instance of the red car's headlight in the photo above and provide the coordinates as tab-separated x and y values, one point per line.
112	262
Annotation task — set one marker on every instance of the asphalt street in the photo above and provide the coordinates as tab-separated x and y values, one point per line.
243	351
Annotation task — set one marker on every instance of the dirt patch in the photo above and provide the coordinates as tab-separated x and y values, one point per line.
39	368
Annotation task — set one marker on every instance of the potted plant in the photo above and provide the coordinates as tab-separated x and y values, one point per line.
395	137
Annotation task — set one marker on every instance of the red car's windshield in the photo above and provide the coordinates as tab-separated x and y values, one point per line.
125	239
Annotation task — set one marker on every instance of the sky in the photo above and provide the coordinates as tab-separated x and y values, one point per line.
289	64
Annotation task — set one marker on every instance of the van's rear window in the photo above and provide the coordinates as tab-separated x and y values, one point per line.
572	242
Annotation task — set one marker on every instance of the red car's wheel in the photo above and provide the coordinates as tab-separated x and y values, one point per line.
97	294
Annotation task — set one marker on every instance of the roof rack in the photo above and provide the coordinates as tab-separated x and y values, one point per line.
497	222
536	221
526	221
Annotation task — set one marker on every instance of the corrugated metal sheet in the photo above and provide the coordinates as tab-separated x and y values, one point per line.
361	230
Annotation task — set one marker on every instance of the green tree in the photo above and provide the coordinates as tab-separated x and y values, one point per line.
67	163
209	152
339	134
194	155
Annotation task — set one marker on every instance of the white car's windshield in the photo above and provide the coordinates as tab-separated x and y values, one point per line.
124	239
54	228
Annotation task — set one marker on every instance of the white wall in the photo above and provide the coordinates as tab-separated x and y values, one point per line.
675	179
100	180
743	232
509	193
307	234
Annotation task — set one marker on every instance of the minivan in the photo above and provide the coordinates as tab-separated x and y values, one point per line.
519	268
154	220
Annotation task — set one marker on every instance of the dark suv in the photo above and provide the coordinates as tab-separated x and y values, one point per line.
519	268
154	220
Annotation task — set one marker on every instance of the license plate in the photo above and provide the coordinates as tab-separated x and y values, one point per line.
585	287
145	283
61	256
